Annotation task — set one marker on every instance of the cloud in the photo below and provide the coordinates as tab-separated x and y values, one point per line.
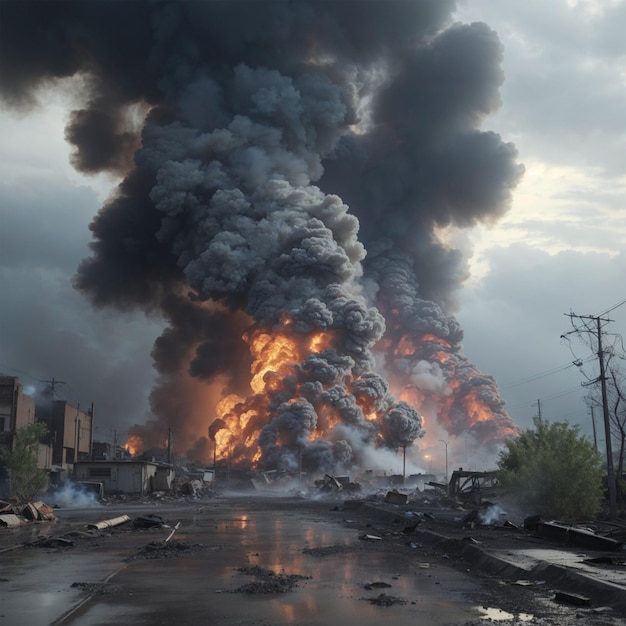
515	316
563	95
49	330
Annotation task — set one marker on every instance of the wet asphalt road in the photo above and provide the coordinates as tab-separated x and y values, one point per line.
93	583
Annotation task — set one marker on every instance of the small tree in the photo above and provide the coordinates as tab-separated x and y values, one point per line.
21	462
553	471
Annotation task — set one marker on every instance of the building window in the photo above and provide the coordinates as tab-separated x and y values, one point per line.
99	472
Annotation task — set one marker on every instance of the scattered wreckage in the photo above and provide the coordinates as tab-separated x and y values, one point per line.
12	516
95	529
470	492
469	487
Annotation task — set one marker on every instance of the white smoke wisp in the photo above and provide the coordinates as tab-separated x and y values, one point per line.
72	496
491	514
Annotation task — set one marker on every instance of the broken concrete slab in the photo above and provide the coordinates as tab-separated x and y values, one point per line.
576	536
394	497
10	520
45	512
30	512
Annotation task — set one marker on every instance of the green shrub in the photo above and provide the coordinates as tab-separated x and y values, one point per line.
553	471
21	463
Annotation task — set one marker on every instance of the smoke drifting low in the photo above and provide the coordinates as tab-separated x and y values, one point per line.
280	209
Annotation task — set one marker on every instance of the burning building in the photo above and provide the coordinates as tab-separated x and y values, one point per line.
290	172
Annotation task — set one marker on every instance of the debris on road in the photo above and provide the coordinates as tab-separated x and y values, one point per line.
572	598
329	550
385	600
329	483
37	511
267	581
148	521
395	497
97	588
162	550
109	523
173	531
12	517
51	542
10	520
376	585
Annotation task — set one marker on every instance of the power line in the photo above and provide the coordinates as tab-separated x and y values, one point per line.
554	396
560	394
59	388
8	368
554	370
615	306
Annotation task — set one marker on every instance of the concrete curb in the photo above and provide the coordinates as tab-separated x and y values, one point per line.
599	591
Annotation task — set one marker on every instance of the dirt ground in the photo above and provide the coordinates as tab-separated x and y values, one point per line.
425	543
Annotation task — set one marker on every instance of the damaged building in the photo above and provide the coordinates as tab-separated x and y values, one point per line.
130	477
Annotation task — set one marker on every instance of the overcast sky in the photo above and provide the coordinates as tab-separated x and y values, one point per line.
559	249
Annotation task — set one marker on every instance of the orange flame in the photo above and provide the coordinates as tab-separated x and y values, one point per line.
409	345
274	354
276	358
476	409
134	445
456	406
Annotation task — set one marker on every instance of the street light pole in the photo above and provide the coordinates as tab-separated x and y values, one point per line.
403	464
445	443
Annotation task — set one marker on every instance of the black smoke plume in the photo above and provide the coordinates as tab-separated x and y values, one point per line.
295	164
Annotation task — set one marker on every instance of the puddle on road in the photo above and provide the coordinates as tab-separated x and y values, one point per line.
197	589
201	591
492	614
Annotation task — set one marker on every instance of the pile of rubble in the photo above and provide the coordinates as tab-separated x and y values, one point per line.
13	516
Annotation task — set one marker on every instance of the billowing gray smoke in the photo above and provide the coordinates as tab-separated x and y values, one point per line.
293	168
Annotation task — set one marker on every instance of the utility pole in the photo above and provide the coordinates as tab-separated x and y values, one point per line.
403	464
445	443
91	415
169	445
605	412
539	409
593	425
77	432
607	427
52	383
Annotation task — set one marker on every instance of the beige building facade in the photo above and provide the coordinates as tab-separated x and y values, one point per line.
17	409
70	431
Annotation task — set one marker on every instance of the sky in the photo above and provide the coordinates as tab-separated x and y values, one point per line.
559	249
